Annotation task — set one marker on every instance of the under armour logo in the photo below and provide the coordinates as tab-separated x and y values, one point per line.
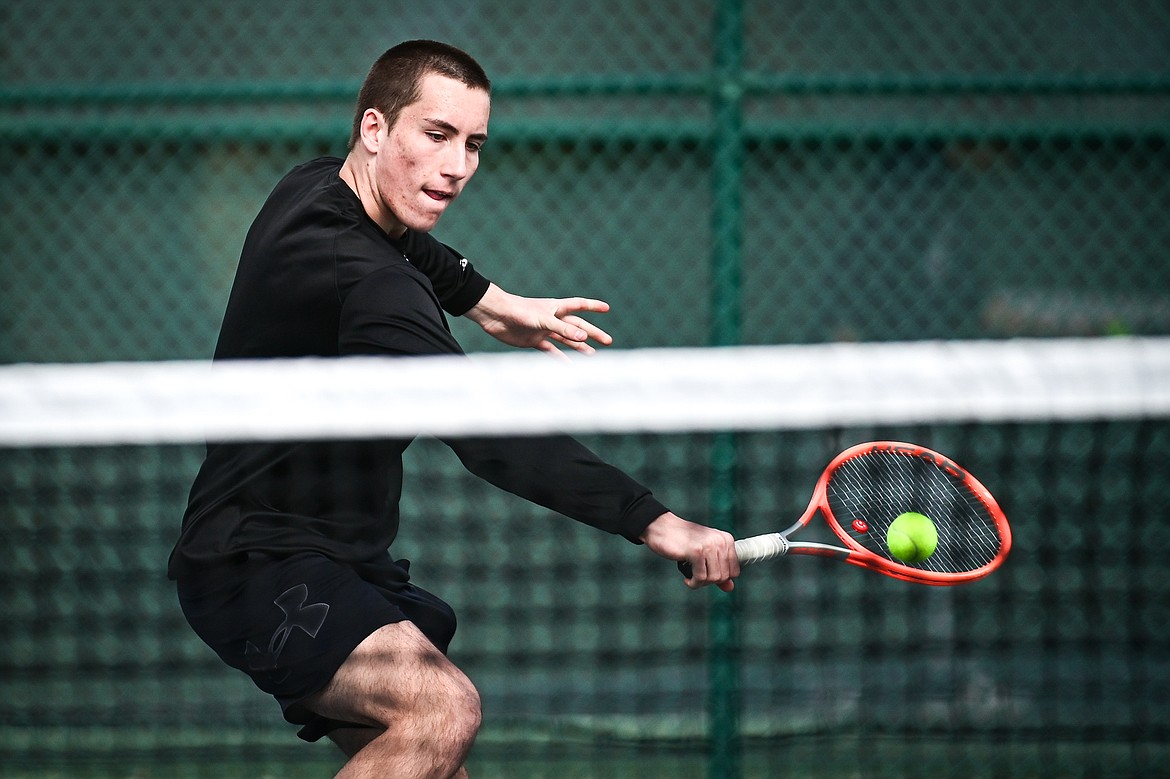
463	264
296	615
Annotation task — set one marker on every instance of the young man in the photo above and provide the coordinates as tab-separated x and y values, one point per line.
283	562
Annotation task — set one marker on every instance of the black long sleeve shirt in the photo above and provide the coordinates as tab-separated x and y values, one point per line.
317	277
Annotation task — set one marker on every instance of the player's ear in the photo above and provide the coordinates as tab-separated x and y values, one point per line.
372	121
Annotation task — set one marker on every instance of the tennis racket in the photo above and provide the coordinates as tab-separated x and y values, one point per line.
866	487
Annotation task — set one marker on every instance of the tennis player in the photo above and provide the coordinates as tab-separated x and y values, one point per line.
283	564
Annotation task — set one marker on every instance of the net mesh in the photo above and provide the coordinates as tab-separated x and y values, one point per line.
590	655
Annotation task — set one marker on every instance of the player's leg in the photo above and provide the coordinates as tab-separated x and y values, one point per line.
292	623
353	740
423	712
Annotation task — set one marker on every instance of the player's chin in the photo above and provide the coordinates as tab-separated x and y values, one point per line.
429	211
424	221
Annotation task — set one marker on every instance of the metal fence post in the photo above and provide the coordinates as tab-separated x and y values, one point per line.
726	239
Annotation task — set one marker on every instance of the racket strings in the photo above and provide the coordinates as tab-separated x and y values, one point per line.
866	493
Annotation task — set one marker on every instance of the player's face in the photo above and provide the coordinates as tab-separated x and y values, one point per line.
430	153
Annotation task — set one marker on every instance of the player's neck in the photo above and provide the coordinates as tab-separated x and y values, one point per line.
357	177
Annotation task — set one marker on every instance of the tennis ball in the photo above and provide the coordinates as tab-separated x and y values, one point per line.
912	537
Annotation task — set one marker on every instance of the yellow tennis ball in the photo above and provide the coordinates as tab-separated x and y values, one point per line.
912	537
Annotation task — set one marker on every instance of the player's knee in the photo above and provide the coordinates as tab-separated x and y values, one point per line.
463	713
448	715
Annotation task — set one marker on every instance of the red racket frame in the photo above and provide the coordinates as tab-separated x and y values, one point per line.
770	545
856	554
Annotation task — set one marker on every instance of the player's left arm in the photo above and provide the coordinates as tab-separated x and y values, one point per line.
539	323
533	323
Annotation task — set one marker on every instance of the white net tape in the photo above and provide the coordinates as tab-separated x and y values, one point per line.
733	388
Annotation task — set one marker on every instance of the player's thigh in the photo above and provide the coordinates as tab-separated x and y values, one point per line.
395	671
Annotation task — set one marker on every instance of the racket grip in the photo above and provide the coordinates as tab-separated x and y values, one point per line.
749	550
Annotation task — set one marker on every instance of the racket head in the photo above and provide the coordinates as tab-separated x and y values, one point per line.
867	486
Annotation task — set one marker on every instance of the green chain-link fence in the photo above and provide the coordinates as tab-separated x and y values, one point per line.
755	172
906	169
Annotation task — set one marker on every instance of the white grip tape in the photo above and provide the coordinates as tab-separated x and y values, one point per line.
757	548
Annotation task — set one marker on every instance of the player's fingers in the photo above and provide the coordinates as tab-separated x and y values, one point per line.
582	347
566	322
550	341
549	348
566	332
567	306
709	567
694	581
722	563
723	575
727	585
699	572
693	569
591	330
574	329
733	562
719	571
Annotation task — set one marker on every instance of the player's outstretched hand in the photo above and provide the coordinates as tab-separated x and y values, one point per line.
540	323
710	552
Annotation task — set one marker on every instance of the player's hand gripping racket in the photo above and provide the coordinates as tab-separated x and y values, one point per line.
867	487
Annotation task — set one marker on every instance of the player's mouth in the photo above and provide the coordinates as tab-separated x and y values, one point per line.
439	195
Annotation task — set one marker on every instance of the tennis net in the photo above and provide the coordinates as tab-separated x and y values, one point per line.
591	657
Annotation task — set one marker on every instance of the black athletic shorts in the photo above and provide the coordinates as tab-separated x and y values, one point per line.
290	622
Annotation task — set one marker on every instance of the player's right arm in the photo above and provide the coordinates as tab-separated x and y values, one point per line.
391	312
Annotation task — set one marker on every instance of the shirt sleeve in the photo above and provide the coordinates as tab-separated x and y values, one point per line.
561	474
456	282
393	312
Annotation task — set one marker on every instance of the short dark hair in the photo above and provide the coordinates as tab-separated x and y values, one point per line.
395	80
